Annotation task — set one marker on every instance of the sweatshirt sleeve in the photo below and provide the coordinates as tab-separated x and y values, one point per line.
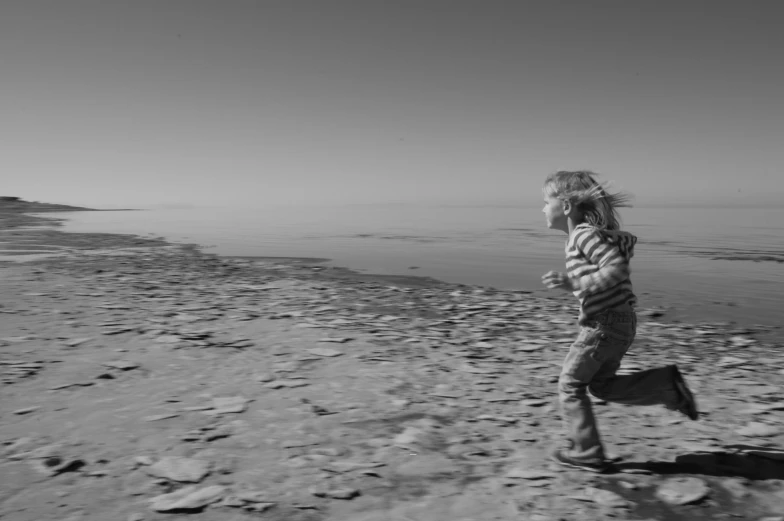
613	265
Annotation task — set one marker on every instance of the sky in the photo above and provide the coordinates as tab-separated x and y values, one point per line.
173	103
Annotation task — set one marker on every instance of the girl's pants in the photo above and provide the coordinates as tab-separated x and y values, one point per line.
591	364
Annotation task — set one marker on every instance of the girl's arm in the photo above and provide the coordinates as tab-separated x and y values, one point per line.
613	265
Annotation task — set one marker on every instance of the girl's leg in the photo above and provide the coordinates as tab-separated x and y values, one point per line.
659	386
579	368
649	387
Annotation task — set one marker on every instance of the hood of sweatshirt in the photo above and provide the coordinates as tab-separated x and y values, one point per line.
625	241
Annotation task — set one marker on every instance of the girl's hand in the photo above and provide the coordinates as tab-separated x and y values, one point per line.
582	320
557	280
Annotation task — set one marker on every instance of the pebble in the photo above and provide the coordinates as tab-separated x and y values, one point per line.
26	410
253	496
607	498
188	498
737	488
123	365
143	460
348	466
76	341
426	465
324	351
73	384
290	444
179	469
229	404
279	384
682	491
158	417
54	465
520	473
757	429
340	493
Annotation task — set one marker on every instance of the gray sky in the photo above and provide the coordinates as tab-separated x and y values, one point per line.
111	103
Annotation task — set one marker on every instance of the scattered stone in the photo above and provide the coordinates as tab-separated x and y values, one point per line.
326	352
169	339
222	431
55	464
229	405
340	493
414	437
348	466
683	491
731	361
447	394
76	341
158	417
20	443
188	498
255	501
122	365
740	341
206	407
520	473
426	465
279	384
290	444
534	403
117	330
26	410
179	469
253	496
528	348
757	429
143	460
737	488
606	498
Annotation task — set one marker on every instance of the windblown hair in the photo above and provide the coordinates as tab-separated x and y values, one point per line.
599	208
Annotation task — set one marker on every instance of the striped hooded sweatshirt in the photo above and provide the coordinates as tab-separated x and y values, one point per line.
597	262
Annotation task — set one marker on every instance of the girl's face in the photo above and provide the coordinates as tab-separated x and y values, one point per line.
554	213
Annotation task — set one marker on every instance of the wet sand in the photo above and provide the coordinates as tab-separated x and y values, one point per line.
145	381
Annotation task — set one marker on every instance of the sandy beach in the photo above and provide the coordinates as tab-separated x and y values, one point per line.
145	381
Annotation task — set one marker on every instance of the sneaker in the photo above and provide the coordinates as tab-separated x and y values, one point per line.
687	405
560	456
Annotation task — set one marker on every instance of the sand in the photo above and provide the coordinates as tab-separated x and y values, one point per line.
144	381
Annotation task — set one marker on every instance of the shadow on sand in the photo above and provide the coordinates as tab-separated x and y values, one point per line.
746	461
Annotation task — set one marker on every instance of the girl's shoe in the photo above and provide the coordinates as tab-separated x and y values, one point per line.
687	405
601	467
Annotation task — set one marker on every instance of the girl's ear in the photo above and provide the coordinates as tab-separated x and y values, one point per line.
567	206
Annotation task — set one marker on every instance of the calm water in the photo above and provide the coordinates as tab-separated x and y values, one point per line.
503	247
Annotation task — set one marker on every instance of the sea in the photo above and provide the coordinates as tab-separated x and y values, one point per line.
698	263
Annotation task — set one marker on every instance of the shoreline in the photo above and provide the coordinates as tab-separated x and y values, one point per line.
661	308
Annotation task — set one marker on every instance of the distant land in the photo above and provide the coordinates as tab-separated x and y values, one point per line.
12	204
15	212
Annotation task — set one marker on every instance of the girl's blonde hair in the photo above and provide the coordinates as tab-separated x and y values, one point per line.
599	208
